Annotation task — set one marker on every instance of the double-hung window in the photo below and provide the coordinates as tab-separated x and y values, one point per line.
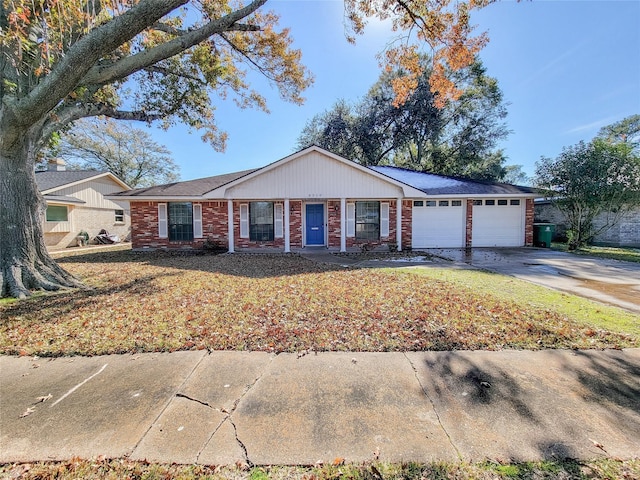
180	221
261	221
368	220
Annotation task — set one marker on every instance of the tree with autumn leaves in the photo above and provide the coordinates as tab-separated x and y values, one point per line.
161	61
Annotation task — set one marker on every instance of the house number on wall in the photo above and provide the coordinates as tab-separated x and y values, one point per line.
314	195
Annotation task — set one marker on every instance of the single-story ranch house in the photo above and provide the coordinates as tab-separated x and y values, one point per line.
76	201
314	198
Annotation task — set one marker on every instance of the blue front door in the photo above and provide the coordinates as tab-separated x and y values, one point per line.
315	224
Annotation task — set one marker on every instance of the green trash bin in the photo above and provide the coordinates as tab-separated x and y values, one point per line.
543	234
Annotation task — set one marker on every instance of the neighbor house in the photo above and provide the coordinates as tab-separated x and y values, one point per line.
625	233
76	202
314	198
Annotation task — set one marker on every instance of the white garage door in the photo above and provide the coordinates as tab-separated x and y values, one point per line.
437	224
498	223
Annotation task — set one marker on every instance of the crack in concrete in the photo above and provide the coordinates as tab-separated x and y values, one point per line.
228	417
142	437
241	444
433	405
182	395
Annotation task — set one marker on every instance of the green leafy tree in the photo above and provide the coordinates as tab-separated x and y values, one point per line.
127	152
161	60
590	179
626	131
458	139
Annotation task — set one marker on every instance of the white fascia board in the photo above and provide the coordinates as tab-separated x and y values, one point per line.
221	192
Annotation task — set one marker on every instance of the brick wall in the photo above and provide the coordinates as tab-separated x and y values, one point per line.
407	215
528	223
626	233
352	242
469	225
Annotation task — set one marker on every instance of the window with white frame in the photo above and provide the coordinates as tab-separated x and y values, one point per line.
261	221
119	216
368	220
180	221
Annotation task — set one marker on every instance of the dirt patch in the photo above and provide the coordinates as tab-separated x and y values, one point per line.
626	292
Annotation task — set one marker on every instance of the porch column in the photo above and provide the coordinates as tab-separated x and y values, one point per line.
343	224
287	233
399	223
230	223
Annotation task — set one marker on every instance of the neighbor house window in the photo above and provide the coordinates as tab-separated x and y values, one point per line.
180	221
57	213
119	216
456	203
367	220
515	202
261	221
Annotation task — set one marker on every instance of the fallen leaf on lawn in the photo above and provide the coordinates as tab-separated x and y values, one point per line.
28	412
338	461
598	445
44	399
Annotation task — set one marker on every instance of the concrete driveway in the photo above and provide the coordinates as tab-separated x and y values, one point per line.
609	281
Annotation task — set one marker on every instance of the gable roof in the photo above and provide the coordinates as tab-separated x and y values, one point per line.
187	189
412	183
48	181
346	169
433	184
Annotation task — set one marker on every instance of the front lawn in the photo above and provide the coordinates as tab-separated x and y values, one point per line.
164	302
613	253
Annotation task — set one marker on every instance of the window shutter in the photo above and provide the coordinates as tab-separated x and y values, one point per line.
384	219
244	220
351	219
197	220
278	230
162	221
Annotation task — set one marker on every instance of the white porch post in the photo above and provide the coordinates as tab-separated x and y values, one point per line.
399	223
343	224
287	234
230	223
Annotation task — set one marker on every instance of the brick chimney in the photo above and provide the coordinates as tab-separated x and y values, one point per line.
56	165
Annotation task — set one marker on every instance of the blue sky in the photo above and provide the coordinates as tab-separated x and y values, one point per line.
566	68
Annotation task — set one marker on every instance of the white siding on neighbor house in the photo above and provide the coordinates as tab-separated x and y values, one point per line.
92	193
314	176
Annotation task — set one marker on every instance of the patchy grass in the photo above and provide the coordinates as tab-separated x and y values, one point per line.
613	253
284	303
529	295
116	469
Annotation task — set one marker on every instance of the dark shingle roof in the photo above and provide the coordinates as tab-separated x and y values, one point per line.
62	199
189	188
48	179
432	184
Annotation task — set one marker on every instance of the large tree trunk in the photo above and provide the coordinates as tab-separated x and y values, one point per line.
25	264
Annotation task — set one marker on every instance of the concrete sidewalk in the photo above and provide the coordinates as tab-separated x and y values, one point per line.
259	408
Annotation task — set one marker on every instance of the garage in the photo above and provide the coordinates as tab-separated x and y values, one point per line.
498	222
438	223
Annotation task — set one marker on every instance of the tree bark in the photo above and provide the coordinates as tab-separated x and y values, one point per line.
25	264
